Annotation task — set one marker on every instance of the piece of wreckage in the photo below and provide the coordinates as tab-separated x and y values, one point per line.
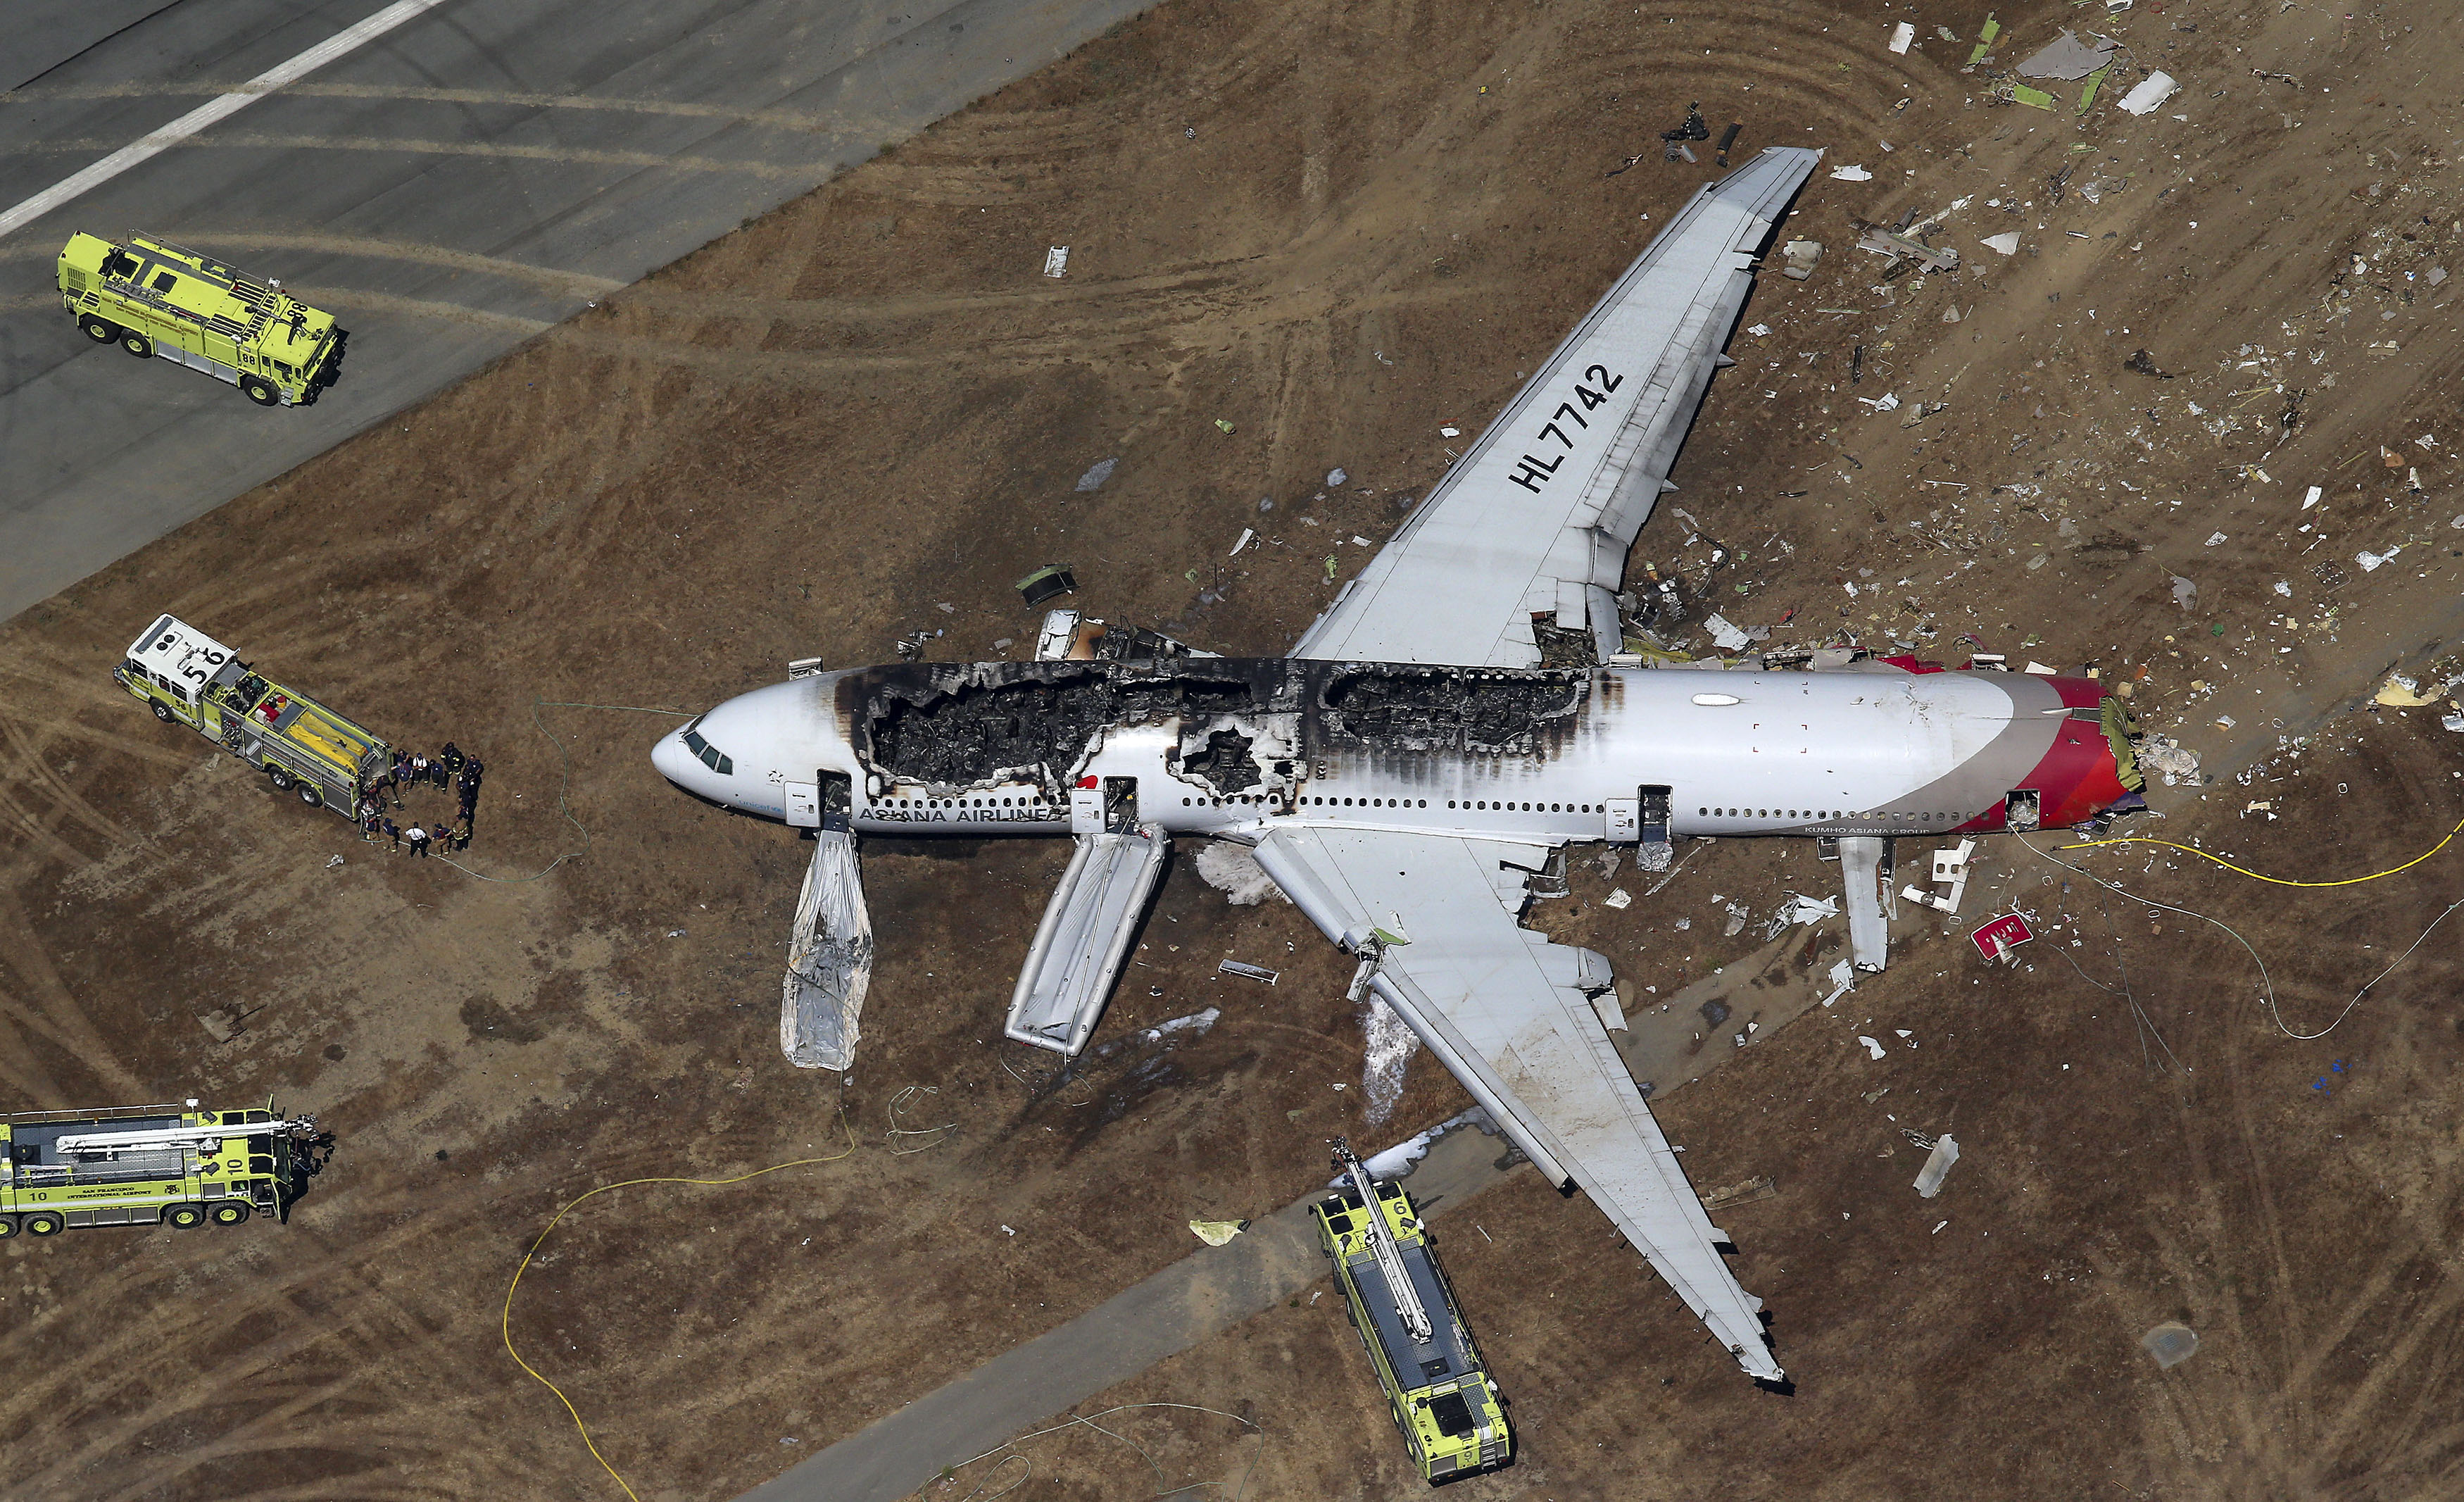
1406	774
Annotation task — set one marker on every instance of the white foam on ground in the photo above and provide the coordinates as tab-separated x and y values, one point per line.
1398	1160
1231	869
1387	1047
1195	1025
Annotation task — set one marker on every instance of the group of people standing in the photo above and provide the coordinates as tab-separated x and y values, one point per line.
410	769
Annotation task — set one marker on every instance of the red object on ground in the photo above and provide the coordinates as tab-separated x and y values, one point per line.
2002	935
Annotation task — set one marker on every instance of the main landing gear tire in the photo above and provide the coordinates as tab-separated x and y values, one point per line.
280	779
258	391
44	1223
185	1217
163	712
230	1214
102	331
136	344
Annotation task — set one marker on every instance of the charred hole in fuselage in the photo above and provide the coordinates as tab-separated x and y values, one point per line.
951	727
1495	710
1224	761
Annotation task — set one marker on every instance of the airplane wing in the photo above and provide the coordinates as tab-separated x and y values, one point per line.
1510	1013
1537	518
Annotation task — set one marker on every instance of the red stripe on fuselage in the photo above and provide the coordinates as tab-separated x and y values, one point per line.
2075	780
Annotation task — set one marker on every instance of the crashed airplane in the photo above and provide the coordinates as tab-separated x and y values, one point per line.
1405	773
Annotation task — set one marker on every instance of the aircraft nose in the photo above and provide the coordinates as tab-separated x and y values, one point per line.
676	762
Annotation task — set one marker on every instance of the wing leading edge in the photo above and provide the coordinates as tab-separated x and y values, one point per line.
1510	1013
1538	516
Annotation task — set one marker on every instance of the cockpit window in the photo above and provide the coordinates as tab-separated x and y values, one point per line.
710	756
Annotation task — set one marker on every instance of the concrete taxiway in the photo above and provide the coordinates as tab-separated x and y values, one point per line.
449	189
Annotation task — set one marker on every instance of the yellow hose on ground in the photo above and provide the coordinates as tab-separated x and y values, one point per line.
507	1322
2348	882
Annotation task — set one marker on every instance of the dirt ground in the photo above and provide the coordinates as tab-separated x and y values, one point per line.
865	414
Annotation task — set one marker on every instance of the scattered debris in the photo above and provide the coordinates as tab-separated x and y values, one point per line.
2068	59
1747	1192
1056	261
1215	1233
1950	870
1873	1047
2176	765
2399	691
1049	582
2171	1343
1094	478
1843	980
334	863
1247	971
1337	476
2146	364
1248	535
1223	424
2000	936
1851	174
2006	243
2148	94
1924	258
1802	909
1449	433
1618	899
1731	638
1802	256
2371	562
2185	594
1901	35
1937	1166
1728	139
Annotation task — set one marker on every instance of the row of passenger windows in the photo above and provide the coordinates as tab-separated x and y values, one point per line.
1939	817
965	803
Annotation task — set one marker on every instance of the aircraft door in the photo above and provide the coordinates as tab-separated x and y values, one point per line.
1086	806
1120	805
804	805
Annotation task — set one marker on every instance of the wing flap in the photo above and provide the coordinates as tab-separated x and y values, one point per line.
1510	1013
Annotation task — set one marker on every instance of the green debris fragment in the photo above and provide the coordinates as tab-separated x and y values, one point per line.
2095	80
2215	631
1329	568
2035	99
1226	425
1985	42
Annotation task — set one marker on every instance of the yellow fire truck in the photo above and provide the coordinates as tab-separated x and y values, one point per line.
147	1166
153	299
1398	1301
186	678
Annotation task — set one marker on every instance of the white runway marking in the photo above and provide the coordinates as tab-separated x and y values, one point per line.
196	119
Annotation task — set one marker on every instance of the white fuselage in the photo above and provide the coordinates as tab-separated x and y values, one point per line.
1228	746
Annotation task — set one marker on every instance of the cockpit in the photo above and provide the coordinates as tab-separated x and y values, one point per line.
710	756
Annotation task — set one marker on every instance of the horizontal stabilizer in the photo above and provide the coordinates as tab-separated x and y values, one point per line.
1085	936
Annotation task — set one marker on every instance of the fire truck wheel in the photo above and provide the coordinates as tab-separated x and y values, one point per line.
185	1217
102	331
309	795
231	1214
257	389
8	1226
43	1223
136	344
280	779
163	712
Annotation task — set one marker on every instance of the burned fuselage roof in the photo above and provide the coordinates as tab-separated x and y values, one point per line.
956	724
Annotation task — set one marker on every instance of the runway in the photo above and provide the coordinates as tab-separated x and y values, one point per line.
468	178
